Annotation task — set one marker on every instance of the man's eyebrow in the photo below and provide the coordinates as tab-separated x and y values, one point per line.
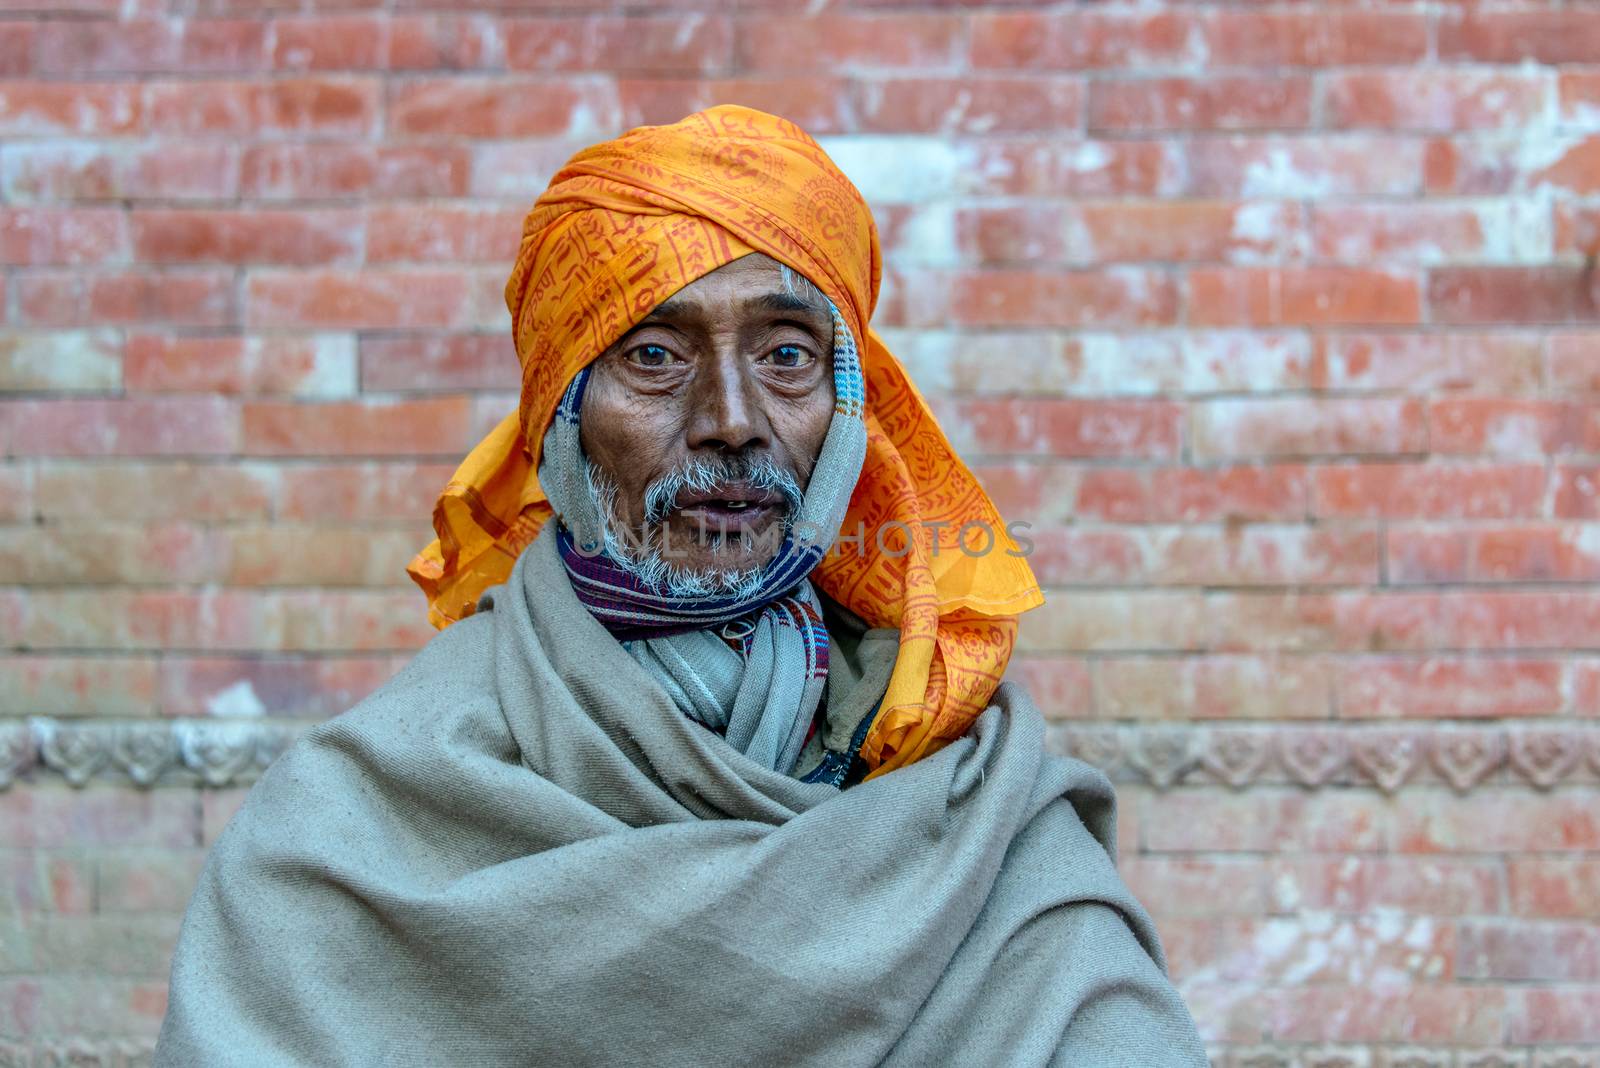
787	302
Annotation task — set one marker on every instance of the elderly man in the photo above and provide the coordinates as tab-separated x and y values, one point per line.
711	763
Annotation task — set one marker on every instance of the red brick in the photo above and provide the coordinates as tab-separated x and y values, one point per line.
1131	231
246	237
1427	491
53	817
1579	97
1545	294
1042	492
16	493
320	365
819	105
1436	886
1092	620
34	882
370	491
1559	1014
372	428
1186	820
16	49
1213	687
831	41
152	491
442	42
639	43
47	109
1061	167
354	621
1435	99
1117	297
1191	495
1474	362
146	880
971	105
443	234
1067	428
1198	557
1527	553
1514	163
1323	166
319	107
343	43
441	362
144	427
1059	685
1577	231
1085	40
1321	296
1317	950
115	554
350	172
1519	951
1498	820
52	171
1313	38
1235	102
150	46
77	236
1292	426
1197	886
282	554
1425	233
1545	36
1389	1011
64	360
291	687
1510	427
1556	887
167	297
130	619
1576	491
497	107
373	300
217	807
79	686
1438	687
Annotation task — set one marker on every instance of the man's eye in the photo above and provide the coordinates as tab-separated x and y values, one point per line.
651	356
790	356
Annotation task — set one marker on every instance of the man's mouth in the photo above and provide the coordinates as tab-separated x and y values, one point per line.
728	507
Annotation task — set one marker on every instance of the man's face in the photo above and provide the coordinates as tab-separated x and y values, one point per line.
696	415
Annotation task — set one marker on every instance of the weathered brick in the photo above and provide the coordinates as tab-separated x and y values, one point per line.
1435	99
443	235
1327	165
820	104
1545	36
1249	492
90	109
1008	297
132	427
179	297
78	686
360	491
833	41
1476	362
1234	102
1221	296
313	687
39	237
60	360
124	554
58	816
133	491
639	43
320	555
318	171
1188	819
370	299
1066	428
1497	820
320	365
1141	620
1436	886
1556	887
443	42
1556	1014
1546	294
1442	687
314	107
1276	427
100	171
352	42
145	880
1519	950
498	107
371	428
1511	427
255	236
1492	232
1213	687
1188	556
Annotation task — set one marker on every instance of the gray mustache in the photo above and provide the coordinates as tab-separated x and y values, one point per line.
702	475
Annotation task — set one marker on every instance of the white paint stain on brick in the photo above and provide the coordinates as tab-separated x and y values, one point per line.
905	170
238	701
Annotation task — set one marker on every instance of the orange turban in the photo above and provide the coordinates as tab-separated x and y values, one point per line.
623	226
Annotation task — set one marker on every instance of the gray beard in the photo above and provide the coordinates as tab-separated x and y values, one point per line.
643	555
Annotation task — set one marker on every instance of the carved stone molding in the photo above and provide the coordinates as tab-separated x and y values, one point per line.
1387	757
212	753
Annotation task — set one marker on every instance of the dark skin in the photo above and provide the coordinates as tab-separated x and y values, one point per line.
732	363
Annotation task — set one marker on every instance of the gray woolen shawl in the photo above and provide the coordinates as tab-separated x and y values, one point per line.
520	852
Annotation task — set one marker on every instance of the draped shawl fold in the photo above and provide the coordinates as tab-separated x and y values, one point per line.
519	852
623	226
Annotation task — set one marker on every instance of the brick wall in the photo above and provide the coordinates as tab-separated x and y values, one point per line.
1279	321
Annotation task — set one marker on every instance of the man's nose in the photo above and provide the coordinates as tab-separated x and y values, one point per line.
727	411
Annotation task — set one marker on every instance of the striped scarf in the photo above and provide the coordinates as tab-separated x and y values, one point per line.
751	667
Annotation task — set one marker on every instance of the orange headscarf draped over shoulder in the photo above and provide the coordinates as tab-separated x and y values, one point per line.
626	224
